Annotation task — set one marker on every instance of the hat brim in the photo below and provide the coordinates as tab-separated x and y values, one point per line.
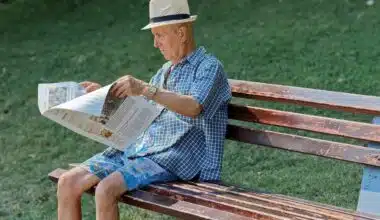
157	24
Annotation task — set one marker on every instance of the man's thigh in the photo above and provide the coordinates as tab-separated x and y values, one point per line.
140	172
131	173
102	165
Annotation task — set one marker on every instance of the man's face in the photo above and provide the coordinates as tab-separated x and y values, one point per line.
168	40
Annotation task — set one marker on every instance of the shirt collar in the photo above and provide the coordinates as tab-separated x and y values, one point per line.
195	57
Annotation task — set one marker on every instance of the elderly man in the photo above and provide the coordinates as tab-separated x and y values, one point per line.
184	142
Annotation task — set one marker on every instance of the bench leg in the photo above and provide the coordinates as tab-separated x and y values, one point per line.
369	197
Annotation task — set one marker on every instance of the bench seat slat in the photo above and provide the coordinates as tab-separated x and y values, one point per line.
304	96
166	205
343	128
203	197
193	200
329	149
289	201
248	206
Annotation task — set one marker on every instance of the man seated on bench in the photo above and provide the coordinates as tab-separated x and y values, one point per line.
184	142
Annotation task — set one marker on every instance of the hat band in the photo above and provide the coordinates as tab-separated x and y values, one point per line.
169	18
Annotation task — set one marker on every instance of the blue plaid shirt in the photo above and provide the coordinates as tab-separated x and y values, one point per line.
183	145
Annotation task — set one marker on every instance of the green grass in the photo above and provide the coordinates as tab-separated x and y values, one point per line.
320	44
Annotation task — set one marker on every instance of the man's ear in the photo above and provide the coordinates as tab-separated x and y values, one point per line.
182	34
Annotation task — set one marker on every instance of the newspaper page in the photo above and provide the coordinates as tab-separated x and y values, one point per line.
97	115
53	94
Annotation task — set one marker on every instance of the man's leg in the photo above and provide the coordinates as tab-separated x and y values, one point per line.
71	186
106	196
135	173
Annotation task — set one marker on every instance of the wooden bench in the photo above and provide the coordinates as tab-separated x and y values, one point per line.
194	200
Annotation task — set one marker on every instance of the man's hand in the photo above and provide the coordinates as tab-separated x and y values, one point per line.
90	86
128	86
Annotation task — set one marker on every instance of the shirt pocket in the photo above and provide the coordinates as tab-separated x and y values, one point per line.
180	84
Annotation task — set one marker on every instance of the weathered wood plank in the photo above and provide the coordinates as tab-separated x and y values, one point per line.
255	208
165	205
309	97
215	201
329	149
343	128
306	205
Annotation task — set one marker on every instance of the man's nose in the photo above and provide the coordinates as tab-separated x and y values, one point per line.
155	43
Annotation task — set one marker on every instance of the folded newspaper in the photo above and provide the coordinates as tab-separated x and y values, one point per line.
97	115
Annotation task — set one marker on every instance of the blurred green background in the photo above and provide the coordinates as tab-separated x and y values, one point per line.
332	45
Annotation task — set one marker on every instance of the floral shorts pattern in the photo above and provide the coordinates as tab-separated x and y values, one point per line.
137	172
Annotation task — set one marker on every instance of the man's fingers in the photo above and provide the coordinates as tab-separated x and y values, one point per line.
118	88
85	83
122	85
124	94
123	89
92	87
115	87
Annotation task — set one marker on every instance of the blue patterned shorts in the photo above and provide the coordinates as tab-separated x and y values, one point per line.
137	172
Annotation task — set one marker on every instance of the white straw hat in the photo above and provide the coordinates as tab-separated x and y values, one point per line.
164	12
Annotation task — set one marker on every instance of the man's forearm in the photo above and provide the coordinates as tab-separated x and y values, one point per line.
182	104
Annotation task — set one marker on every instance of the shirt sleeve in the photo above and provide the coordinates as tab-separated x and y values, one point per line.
210	87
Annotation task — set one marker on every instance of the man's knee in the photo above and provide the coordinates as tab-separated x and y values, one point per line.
111	188
104	191
67	185
70	184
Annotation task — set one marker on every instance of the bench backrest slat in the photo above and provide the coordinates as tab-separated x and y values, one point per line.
325	125
329	149
308	97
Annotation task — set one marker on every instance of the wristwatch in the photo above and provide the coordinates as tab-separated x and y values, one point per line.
150	91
